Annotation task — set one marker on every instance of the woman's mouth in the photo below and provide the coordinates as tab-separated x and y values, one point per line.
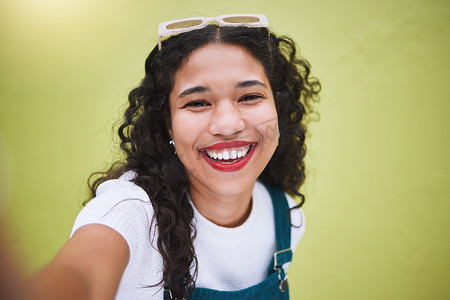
230	156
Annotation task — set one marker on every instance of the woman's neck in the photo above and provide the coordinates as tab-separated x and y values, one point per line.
223	210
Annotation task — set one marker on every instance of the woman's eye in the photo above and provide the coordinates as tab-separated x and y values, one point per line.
250	97
196	103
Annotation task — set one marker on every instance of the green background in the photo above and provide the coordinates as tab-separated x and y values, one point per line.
378	169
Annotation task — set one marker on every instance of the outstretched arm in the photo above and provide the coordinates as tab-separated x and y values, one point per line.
89	266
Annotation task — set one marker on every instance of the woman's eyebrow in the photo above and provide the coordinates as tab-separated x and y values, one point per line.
249	83
192	90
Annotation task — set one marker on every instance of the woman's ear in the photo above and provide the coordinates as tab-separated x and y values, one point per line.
169	131
168	122
169	127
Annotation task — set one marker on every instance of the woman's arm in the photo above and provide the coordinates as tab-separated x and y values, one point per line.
89	266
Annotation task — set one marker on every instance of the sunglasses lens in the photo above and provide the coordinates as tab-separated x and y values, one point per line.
242	19
184	24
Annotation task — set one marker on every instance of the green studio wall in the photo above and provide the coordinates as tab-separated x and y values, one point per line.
378	167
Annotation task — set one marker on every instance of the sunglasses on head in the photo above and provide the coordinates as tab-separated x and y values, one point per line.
173	27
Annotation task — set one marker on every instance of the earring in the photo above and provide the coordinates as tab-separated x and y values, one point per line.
278	140
172	143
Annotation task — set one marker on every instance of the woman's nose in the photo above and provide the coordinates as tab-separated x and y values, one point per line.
226	119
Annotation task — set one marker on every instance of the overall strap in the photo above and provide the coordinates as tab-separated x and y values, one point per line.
282	229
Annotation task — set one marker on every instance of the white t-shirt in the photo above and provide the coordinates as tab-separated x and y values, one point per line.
228	258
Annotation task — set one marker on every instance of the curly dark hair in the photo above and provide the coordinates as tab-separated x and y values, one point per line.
145	138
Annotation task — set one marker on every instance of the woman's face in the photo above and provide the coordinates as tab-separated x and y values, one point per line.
224	120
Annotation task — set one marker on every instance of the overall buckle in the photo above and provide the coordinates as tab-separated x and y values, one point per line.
285	257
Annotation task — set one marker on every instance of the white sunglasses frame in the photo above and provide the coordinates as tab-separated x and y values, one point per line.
164	31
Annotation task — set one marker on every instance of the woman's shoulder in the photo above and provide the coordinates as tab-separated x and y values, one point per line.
119	204
297	218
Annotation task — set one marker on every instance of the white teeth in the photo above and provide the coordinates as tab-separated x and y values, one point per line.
229	154
241	153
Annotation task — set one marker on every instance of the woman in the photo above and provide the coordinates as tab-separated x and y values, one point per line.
212	135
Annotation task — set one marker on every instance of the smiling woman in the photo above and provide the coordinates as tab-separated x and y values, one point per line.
214	142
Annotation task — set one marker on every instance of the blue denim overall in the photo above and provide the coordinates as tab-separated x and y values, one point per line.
275	286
